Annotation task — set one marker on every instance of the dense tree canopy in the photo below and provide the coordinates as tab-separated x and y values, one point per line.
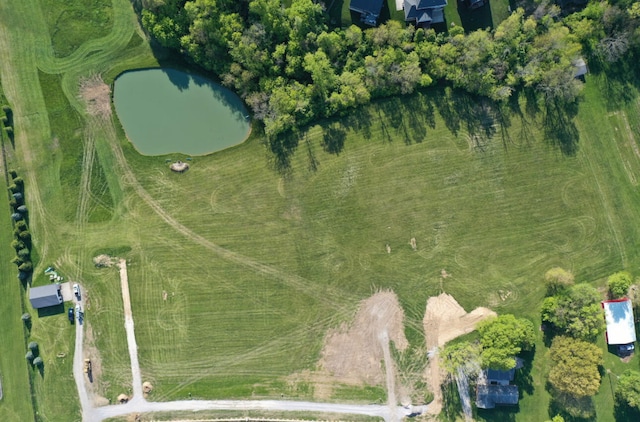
575	367
503	338
576	312
628	389
291	69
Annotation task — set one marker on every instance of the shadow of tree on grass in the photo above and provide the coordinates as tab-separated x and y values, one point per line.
559	127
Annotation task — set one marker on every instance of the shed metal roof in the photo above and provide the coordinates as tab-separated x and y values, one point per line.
44	296
620	323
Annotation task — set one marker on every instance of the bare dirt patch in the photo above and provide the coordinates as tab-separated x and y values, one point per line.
444	320
102	261
96	95
352	354
95	387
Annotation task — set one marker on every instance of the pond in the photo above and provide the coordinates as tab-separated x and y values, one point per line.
167	111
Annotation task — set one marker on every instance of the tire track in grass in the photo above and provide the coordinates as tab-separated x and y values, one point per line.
606	208
330	297
274	346
340	302
82	212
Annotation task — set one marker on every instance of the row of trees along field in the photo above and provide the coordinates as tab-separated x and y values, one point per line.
291	68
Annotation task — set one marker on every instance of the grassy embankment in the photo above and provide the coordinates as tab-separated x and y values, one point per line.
257	267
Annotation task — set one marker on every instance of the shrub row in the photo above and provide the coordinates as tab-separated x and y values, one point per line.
22	237
7	121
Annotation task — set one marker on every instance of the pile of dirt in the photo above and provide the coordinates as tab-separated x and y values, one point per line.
96	95
103	261
147	387
444	320
179	167
352	354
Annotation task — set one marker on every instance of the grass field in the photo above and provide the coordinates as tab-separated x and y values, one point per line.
16	402
257	267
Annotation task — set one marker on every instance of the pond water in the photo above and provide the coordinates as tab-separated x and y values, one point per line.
167	111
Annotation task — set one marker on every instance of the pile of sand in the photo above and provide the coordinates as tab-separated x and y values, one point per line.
444	319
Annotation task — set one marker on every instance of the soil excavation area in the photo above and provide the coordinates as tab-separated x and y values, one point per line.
444	320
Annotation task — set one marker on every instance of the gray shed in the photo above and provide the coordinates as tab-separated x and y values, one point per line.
44	296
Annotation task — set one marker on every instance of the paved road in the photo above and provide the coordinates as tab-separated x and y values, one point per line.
138	404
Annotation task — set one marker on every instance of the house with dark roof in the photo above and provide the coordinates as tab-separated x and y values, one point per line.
497	377
45	296
490	396
424	13
369	10
495	389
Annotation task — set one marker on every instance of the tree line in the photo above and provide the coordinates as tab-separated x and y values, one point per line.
291	68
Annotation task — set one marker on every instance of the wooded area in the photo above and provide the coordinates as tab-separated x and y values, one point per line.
291	68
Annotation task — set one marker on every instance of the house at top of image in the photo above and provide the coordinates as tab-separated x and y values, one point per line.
424	13
369	10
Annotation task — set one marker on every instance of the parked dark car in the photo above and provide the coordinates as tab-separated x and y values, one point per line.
71	315
625	349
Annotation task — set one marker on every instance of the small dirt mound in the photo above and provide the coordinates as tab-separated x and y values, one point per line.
179	167
147	387
96	95
103	261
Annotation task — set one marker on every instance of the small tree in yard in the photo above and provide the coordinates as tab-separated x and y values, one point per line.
619	284
33	346
26	318
38	362
24	253
458	355
628	389
558	279
29	357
